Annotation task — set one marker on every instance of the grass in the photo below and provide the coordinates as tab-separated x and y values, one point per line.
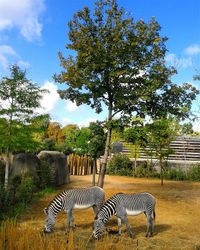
177	220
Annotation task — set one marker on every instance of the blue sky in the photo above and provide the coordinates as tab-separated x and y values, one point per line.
33	31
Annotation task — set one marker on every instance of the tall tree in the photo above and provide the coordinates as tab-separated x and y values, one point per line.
19	98
119	63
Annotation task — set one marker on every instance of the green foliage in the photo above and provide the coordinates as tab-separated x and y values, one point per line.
120	63
120	165
175	174
191	174
45	177
19	98
70	132
25	190
187	129
97	140
159	135
194	173
21	192
82	141
145	171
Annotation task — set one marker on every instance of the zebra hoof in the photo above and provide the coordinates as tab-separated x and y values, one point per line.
131	235
148	235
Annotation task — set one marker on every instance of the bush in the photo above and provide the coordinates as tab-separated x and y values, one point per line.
6	201
25	190
175	174
194	173
44	173
145	171
120	165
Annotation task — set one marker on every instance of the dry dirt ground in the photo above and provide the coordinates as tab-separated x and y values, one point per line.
177	224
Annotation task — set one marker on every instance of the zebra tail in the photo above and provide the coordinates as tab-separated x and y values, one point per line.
154	215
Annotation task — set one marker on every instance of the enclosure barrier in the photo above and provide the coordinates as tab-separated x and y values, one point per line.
79	164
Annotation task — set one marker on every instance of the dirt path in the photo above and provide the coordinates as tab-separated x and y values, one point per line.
177	216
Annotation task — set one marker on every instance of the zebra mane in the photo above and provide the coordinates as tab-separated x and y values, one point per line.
54	199
108	209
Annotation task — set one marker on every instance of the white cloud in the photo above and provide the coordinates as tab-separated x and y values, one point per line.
9	56
85	123
70	106
192	50
50	99
178	62
5	52
23	15
65	121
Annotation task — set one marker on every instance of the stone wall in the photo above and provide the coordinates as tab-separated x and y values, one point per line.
24	164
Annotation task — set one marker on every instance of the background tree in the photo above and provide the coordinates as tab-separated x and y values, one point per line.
19	98
159	135
119	63
70	131
55	137
187	129
82	141
135	134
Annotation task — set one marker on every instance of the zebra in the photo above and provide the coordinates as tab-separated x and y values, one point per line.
122	205
68	200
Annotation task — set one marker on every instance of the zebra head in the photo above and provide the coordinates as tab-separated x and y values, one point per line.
50	221
98	228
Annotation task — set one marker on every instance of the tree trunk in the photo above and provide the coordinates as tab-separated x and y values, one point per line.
161	172
135	162
102	171
7	168
94	171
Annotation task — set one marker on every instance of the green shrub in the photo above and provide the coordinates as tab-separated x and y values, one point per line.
120	165
44	174
25	190
193	174
145	171
6	200
175	174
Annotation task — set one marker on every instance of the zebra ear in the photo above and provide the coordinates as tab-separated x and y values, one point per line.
45	210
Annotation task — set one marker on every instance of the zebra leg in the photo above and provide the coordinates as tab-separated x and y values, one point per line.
68	221
130	233
72	220
119	223
149	232
95	209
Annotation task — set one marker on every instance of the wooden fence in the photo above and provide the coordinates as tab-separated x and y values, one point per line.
79	164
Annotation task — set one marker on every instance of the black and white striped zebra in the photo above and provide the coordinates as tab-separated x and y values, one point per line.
122	205
73	199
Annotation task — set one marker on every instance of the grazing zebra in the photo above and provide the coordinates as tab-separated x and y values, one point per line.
72	199
122	205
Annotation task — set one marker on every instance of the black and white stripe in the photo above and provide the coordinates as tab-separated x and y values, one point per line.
122	205
73	199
